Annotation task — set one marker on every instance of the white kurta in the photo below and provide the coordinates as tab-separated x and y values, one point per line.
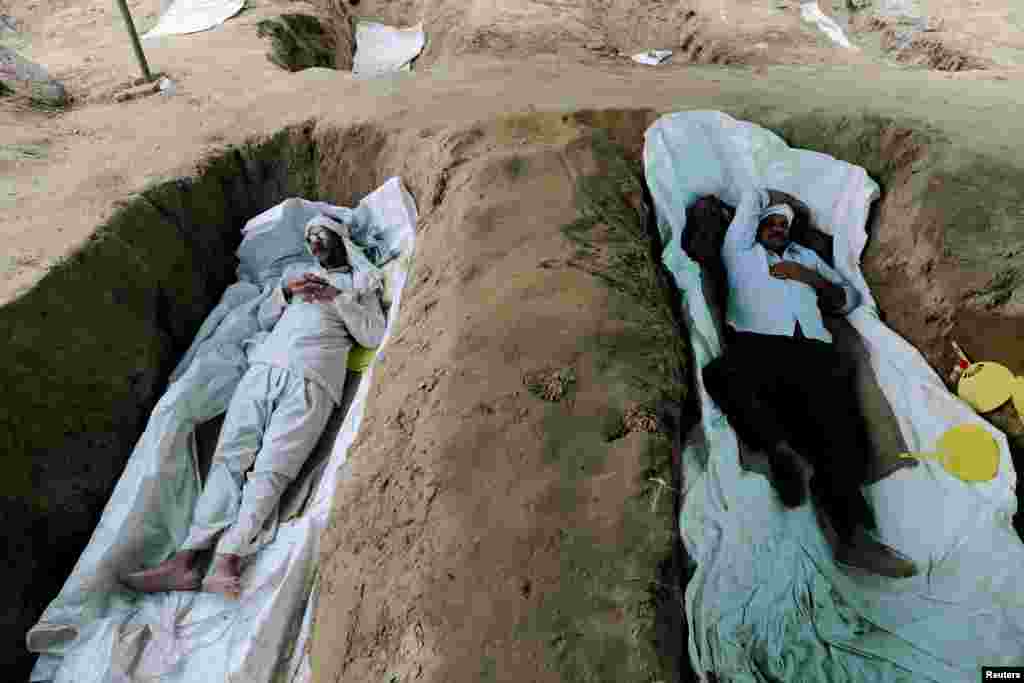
281	408
314	339
273	423
761	303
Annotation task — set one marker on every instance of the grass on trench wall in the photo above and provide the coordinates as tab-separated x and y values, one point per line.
88	350
642	362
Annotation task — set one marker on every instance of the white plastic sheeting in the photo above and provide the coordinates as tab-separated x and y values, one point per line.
97	632
381	49
766	601
811	13
181	17
652	57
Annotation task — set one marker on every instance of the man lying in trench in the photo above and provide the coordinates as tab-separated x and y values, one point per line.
280	408
781	381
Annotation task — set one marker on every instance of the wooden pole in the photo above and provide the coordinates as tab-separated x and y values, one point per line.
136	45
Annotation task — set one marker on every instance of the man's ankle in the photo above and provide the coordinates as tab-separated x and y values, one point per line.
228	561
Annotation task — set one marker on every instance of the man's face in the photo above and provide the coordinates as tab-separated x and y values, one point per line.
327	247
773	233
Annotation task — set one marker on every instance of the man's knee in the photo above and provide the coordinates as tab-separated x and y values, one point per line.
842	380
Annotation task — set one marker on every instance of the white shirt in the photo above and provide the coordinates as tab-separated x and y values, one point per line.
314	339
761	303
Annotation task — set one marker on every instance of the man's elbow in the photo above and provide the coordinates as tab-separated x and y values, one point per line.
846	301
373	334
375	339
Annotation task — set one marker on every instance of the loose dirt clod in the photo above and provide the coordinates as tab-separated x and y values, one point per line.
550	385
636	419
640	419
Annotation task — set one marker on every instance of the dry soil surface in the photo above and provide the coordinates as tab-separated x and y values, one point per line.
61	175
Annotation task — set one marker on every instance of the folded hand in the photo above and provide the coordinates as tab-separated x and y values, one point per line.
791	270
313	288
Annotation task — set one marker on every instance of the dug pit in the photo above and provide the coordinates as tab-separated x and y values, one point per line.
509	507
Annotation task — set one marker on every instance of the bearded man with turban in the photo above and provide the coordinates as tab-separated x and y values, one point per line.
781	381
317	313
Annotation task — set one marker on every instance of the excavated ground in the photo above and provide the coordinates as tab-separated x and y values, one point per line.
504	492
487	528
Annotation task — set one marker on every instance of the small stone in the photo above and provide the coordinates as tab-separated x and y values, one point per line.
49	93
136	92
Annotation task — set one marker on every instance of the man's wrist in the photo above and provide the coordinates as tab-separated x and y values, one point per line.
816	281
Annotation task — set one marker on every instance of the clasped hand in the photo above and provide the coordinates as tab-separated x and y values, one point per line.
791	270
313	288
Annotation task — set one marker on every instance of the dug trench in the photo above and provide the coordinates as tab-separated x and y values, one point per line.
508	510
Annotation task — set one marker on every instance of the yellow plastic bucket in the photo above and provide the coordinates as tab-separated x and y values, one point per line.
359	358
986	386
968	452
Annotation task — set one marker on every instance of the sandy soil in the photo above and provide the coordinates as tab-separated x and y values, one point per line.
422	555
62	175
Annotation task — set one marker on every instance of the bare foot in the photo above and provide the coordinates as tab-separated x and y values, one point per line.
173	574
225	578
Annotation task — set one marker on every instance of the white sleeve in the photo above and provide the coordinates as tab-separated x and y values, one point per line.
363	315
742	233
272	309
830	274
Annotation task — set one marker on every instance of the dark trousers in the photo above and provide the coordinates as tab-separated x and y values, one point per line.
774	388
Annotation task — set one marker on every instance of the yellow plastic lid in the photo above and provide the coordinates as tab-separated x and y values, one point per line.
968	452
986	386
359	358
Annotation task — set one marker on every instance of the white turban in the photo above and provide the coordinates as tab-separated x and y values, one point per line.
322	220
779	210
365	275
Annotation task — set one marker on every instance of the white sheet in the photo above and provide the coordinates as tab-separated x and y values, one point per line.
766	601
181	17
652	57
811	13
94	632
380	48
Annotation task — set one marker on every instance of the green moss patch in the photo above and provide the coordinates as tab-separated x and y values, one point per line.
24	152
602	624
615	247
298	41
607	619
